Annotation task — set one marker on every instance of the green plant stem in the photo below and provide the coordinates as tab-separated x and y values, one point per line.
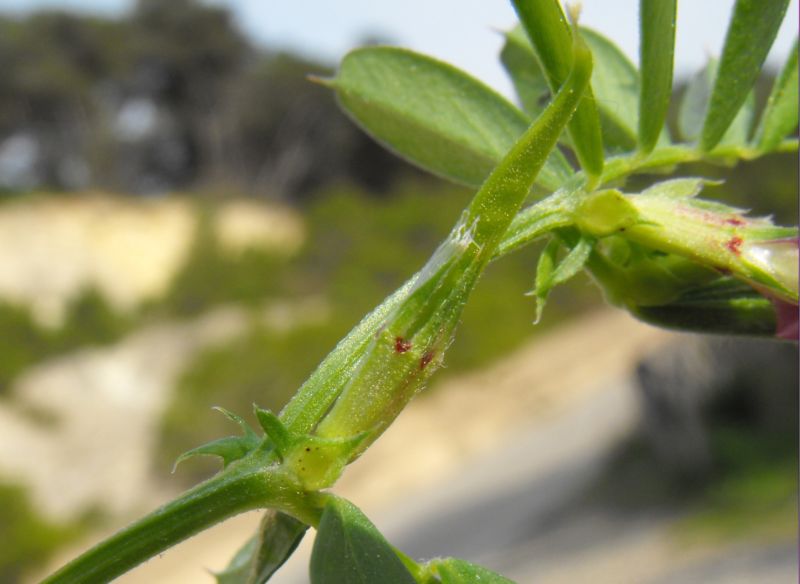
243	486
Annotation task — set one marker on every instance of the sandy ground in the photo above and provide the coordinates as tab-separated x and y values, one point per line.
52	248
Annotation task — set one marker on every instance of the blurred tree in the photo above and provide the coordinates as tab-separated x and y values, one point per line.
171	96
52	61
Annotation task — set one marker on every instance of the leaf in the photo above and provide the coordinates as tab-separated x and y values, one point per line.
548	275
780	116
657	27
455	571
501	196
695	106
238	570
751	33
738	133
277	538
350	550
694	102
433	114
544	275
615	83
529	82
552	41
678	188
274	428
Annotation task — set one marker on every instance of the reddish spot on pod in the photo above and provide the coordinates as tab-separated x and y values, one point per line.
401	345
734	221
425	359
734	244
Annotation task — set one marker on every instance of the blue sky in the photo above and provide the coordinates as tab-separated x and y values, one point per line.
463	32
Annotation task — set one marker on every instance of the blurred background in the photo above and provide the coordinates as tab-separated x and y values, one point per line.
186	222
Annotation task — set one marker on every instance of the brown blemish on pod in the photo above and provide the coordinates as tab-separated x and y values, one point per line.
426	359
401	345
734	245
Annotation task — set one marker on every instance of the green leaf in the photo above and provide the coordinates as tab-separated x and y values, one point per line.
678	188
544	276
548	275
550	35
750	35
238	570
433	114
455	571
529	81
738	133
694	102
350	550
615	83
657	27
277	538
695	105
780	116
274	428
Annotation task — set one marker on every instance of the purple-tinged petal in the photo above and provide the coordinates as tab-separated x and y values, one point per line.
787	314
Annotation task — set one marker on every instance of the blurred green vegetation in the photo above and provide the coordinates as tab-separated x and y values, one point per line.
754	493
89	321
211	275
27	539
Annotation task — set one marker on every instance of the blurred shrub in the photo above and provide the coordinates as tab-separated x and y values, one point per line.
22	342
212	275
89	321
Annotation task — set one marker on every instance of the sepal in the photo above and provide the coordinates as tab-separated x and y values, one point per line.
315	462
230	448
549	275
